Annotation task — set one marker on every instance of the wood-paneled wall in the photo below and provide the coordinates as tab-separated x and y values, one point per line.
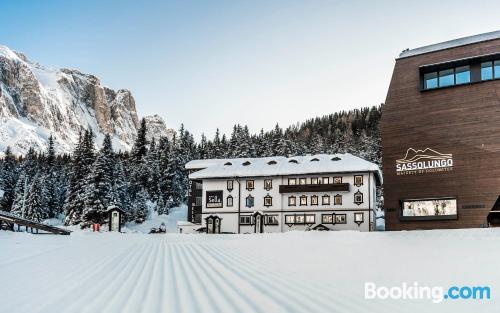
461	120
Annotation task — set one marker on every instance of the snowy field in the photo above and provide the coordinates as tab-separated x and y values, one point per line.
292	272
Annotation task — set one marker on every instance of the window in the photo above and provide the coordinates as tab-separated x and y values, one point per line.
293	161
337	200
462	75
272	162
326	200
428	209
302	181
315	160
496	69
289	219
229	201
314	200
340	218
336	159
358	180
326	180
292	201
314	180
249	201
228	164
337	180
303	200
359	217
268	201
250	184
486	70
271	220
358	197
327	218
310	218
292	181
300	219
246	220
246	163
430	80
268	184
446	78
230	184
198	201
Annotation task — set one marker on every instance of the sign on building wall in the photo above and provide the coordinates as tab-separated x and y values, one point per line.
424	161
214	199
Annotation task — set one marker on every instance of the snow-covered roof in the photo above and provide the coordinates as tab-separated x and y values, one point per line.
281	166
451	44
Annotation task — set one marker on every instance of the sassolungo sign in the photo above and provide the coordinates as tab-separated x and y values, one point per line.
424	161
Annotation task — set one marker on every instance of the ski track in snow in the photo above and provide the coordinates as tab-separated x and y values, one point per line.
296	272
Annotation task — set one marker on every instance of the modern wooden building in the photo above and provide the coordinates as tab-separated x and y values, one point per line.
278	194
441	136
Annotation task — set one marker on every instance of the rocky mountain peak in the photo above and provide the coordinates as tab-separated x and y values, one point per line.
36	101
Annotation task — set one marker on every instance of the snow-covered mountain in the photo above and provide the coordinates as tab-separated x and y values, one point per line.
36	101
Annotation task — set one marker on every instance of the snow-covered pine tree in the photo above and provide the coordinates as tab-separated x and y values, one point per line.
20	192
35	207
99	185
81	165
140	207
8	179
139	149
120	195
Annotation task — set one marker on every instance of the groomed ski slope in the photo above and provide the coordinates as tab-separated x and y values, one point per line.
292	272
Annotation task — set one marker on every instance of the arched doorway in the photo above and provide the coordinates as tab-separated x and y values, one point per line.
213	224
258	224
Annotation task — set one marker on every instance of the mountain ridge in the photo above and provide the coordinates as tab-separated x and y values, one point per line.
37	101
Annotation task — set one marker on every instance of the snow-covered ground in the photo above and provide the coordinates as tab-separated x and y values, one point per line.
291	272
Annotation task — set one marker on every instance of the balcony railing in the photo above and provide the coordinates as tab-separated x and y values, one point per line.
314	188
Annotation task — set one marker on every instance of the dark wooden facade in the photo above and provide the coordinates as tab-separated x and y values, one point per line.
194	209
461	120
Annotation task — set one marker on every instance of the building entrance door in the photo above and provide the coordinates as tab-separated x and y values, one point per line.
115	221
259	223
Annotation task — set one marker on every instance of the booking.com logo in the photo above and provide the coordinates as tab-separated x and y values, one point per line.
436	293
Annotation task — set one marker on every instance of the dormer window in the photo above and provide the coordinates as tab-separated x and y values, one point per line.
293	161
272	162
315	160
246	163
228	164
336	159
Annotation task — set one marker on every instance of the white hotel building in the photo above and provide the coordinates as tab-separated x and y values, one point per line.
278	194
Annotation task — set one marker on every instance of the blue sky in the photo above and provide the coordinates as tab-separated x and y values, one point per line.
211	64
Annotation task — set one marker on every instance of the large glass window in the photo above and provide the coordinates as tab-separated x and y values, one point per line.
430	80
486	70
496	69
446	78
462	75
